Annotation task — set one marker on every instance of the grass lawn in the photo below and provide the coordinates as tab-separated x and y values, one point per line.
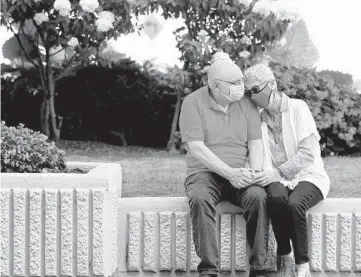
149	172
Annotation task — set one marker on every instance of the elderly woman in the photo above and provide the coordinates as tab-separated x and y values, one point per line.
293	173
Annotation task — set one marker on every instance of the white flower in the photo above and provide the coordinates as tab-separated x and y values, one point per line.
262	7
283	41
220	56
40	18
244	54
203	33
89	5
245	3
105	21
246	40
73	42
63	7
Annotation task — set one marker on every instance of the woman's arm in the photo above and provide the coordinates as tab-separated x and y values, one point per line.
304	157
307	139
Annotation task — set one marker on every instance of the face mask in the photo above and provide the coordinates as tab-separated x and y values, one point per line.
262	98
236	92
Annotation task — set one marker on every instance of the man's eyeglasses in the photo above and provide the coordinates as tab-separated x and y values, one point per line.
238	82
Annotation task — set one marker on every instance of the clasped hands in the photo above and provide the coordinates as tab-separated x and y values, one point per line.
244	177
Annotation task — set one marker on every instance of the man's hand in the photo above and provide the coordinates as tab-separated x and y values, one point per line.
240	177
267	177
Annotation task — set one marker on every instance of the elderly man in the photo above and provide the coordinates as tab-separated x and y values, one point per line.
293	174
221	128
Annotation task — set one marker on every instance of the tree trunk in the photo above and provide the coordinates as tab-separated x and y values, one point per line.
171	145
50	122
44	116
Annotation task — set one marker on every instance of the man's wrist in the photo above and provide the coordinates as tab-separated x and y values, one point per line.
227	172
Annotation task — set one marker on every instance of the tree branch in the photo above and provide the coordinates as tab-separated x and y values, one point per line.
62	74
58	51
22	47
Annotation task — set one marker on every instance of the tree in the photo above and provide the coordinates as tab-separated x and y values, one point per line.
295	47
57	38
241	28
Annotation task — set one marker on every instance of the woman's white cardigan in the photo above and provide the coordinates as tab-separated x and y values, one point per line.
297	124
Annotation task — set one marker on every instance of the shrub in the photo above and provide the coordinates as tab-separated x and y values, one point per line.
24	150
336	108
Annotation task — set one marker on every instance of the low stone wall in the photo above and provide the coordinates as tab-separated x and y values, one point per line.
155	235
60	224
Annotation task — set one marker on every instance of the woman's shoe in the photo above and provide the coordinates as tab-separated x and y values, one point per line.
303	270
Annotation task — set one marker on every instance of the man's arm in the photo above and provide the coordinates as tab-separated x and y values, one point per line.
254	138
255	148
190	124
237	176
209	159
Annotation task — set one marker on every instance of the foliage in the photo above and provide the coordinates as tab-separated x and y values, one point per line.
336	109
23	150
338	77
241	28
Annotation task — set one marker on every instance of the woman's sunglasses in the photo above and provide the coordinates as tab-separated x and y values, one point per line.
257	88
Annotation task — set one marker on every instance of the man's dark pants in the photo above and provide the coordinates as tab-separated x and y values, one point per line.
204	191
287	211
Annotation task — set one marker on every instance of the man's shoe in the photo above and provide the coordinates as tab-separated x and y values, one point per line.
286	267
258	273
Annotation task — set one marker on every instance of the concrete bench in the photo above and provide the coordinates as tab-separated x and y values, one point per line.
155	236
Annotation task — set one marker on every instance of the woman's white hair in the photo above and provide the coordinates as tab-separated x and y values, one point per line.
257	74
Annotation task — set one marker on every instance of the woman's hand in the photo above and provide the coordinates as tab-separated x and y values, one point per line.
267	177
240	177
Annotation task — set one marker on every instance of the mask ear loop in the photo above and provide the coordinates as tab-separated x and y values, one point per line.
272	101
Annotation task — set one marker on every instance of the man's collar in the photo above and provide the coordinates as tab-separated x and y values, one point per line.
208	97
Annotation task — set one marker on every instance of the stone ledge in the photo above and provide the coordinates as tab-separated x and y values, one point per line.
238	274
100	175
155	235
57	224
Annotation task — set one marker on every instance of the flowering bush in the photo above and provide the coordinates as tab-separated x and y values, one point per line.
24	150
105	21
336	109
63	7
